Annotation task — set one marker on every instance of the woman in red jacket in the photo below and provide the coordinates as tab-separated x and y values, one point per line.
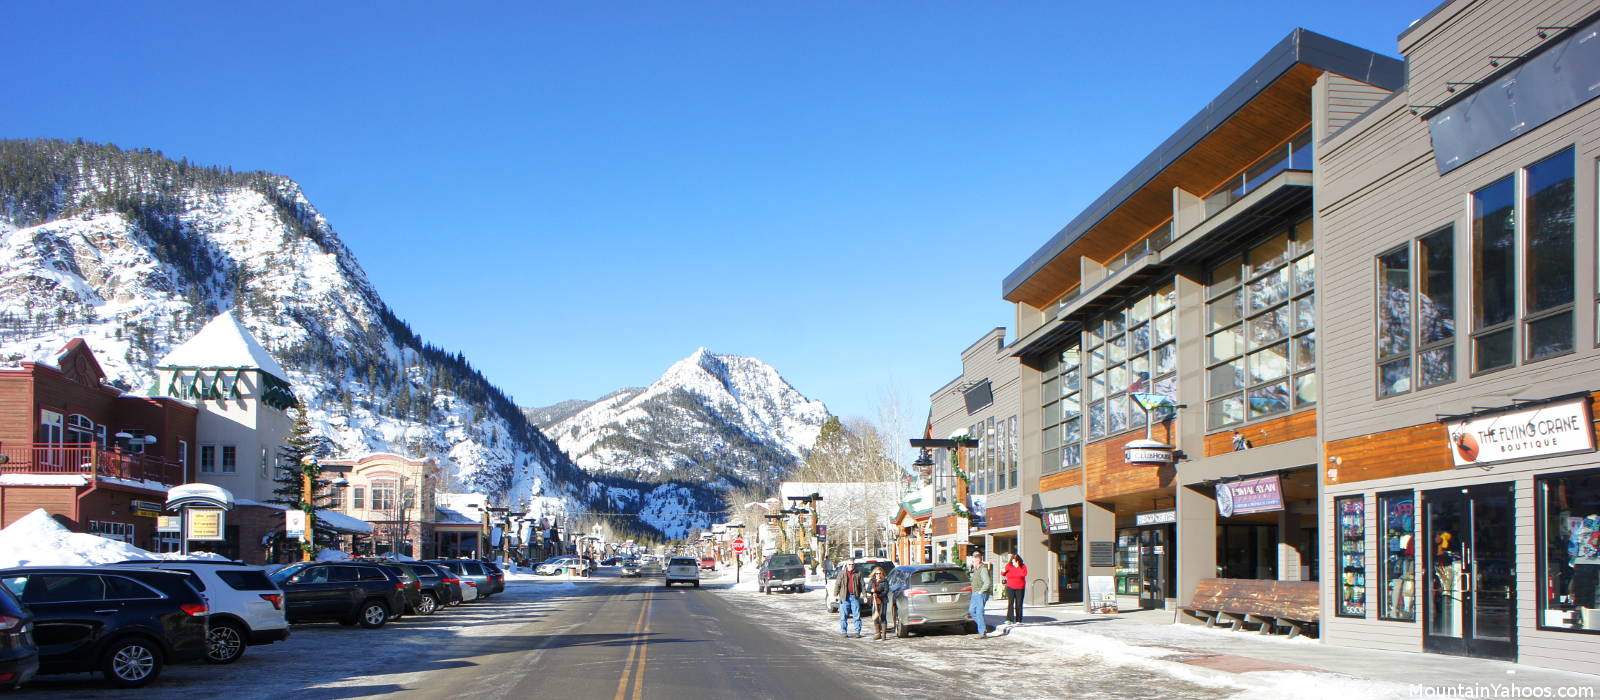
1016	578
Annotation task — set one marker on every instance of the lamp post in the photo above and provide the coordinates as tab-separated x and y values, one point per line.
488	520
960	445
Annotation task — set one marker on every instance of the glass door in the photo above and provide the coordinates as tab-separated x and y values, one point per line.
1153	575
1472	581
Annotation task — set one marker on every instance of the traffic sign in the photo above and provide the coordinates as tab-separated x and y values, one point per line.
738	544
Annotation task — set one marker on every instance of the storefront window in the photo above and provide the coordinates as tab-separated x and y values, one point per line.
1261	339
1398	567
1128	561
1352	541
1570	521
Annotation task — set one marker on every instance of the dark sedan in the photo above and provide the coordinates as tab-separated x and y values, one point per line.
19	656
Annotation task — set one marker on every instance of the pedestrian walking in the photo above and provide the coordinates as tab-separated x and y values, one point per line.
982	583
847	589
1016	577
877	588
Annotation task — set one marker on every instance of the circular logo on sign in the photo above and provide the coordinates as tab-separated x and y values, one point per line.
1225	500
1467	446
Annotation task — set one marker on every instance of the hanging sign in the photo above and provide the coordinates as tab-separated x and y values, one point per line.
148	509
1056	520
1148	452
1551	429
205	524
294	524
1261	494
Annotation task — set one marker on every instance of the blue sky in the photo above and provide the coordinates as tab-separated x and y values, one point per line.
578	194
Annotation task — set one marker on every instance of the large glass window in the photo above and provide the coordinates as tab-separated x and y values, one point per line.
1132	350
1494	270
1569	556
383	492
1416	315
1261	330
1011	449
1397	568
1061	397
1549	289
1352	543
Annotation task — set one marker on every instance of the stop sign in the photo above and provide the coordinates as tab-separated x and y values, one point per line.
738	544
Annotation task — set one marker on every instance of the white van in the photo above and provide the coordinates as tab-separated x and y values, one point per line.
683	570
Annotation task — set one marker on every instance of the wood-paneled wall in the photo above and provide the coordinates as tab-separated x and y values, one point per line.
1060	480
1004	516
1291	427
1106	475
944	526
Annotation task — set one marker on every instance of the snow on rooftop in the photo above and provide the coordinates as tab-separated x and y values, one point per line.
37	539
332	517
223	342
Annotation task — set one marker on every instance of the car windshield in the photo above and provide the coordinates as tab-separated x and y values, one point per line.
939	576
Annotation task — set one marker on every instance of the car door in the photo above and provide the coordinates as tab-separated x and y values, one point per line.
70	613
305	594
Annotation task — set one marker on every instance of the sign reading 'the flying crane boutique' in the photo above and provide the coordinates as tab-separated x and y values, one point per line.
1556	428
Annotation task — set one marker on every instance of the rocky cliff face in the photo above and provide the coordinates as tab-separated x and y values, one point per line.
717	420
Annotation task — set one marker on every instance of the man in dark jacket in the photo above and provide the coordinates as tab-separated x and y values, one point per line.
848	590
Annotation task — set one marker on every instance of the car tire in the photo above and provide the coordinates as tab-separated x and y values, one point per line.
428	605
970	627
131	662
225	642
696	584
902	629
373	614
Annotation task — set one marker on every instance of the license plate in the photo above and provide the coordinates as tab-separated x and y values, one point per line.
944	599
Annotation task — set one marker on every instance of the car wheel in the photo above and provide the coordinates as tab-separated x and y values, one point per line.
901	628
428	605
131	663
970	627
373	614
224	643
696	584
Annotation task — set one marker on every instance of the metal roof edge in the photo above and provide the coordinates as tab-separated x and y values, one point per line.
1300	46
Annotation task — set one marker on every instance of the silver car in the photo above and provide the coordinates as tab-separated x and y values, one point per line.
928	595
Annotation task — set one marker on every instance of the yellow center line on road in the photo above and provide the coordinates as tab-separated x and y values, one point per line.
634	649
644	651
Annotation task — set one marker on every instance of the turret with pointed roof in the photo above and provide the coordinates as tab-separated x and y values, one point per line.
214	363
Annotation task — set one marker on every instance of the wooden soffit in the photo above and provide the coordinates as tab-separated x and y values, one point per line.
1277	113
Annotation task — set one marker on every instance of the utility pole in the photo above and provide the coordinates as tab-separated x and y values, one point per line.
308	471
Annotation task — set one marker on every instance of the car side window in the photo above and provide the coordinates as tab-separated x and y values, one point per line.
119	588
62	588
472	568
373	573
15	584
194	578
315	574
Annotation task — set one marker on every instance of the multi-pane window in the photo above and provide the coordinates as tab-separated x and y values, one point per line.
1061	398
1261	330
358	498
79	429
383	495
1132	350
1011	450
230	459
208	458
121	532
1546	239
1417	315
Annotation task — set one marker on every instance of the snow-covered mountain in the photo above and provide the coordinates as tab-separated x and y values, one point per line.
134	252
717	420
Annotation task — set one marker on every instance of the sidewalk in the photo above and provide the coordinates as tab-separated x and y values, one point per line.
1152	639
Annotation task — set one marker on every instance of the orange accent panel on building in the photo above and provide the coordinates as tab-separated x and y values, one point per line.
1004	516
1106	475
1291	427
1060	480
944	526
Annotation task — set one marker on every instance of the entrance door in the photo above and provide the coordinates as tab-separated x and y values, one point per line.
1470	567
1155	553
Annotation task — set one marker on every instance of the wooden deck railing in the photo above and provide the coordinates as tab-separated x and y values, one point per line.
90	460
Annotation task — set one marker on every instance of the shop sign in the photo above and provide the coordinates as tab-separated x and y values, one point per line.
1261	494
205	524
294	524
148	509
980	511
1056	520
1103	553
1148	452
1156	517
169	523
1551	429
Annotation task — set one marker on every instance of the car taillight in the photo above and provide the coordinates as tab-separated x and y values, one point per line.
194	609
966	589
399	585
474	585
455	581
275	598
914	592
7	622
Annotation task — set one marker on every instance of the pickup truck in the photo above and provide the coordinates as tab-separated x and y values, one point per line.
782	571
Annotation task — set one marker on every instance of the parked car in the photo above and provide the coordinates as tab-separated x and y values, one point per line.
683	570
472	574
497	577
246	607
925	595
630	568
782	571
708	564
19	656
412	585
864	567
125	623
555	565
611	561
348	592
435	586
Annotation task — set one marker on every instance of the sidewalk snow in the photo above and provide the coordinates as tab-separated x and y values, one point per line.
36	539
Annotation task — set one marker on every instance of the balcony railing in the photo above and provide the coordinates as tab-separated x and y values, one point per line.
90	460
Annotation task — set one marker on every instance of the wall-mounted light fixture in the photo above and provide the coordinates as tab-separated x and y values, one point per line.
1544	32
1451	86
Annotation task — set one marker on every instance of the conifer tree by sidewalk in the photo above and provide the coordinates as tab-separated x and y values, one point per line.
300	452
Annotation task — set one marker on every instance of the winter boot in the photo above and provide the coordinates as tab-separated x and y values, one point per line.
879	627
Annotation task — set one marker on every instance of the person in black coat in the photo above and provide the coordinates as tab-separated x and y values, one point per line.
877	588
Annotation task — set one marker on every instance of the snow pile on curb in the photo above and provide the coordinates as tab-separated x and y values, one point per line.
37	539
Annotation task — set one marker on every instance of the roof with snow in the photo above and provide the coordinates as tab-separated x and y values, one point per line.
224	343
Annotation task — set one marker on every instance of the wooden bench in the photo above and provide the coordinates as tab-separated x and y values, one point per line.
1270	604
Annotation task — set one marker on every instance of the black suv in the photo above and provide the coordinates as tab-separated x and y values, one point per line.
19	656
439	586
426	590
125	623
348	592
